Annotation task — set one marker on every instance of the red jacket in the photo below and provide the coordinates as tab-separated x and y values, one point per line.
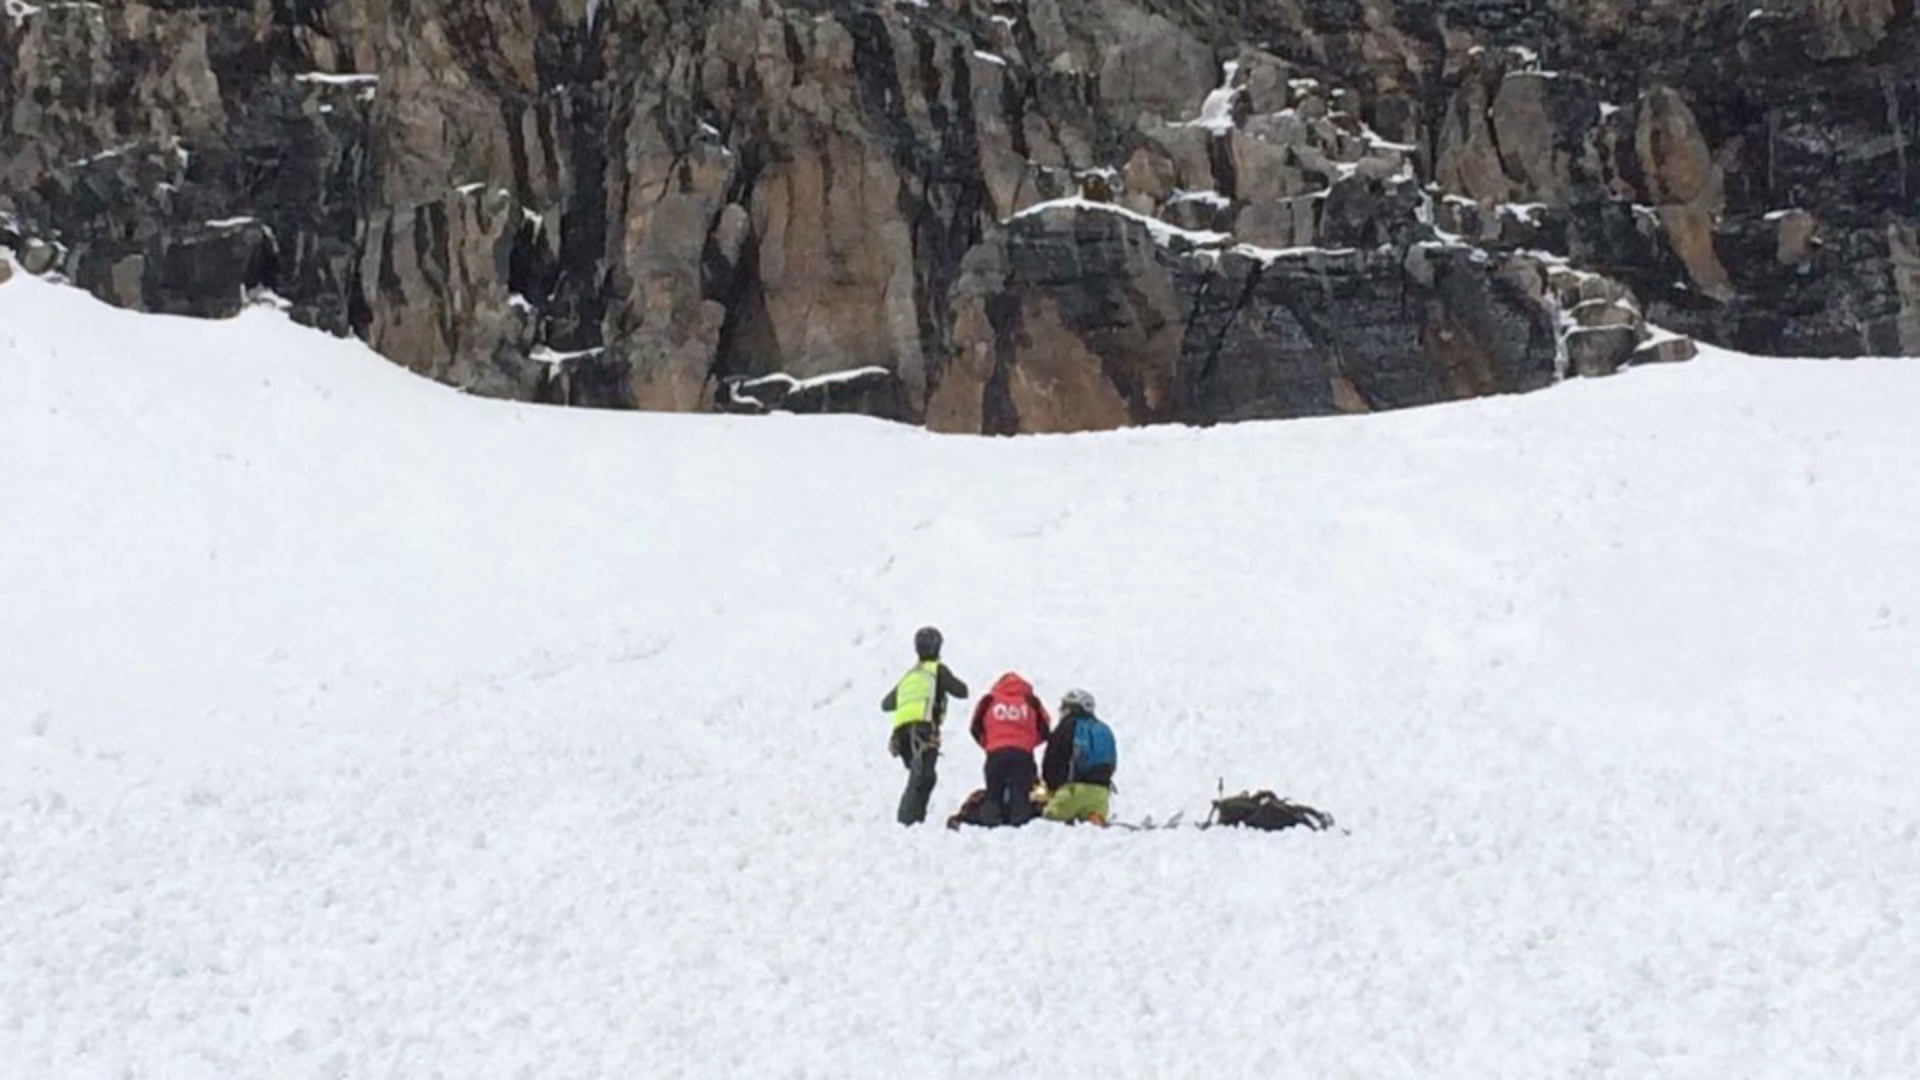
1010	717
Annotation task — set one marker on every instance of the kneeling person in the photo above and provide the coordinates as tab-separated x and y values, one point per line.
1081	757
1009	723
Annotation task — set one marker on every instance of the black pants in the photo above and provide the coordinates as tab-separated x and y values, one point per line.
918	747
1010	777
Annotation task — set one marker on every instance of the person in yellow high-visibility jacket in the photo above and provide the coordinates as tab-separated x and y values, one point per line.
918	703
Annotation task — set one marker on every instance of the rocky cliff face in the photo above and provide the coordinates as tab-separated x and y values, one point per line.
985	215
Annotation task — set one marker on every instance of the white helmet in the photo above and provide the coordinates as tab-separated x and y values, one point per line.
1077	701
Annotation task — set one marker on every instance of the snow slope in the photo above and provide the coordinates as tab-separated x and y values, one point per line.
350	727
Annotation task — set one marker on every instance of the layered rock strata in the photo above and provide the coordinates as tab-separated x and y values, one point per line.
985	215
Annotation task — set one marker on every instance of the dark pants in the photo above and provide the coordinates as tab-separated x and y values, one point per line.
1010	777
918	747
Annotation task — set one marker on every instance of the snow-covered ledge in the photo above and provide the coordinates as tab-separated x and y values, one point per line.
1163	233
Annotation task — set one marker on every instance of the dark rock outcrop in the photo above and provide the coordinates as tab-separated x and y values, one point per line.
1081	316
1270	209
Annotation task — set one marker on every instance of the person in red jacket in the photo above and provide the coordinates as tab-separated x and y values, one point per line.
1008	724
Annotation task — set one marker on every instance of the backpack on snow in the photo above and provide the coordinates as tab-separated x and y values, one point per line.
969	812
1093	748
1267	811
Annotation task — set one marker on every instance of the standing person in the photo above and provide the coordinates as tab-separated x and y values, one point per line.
1008	724
1079	763
918	703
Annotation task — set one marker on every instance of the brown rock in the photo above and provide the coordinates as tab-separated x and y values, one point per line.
958	402
673	367
1528	139
1689	230
1796	230
1096	186
730	234
1346	396
1603	351
1188	152
1469	159
1850	27
126	280
1903	240
1267	80
1056	382
1673	152
1685	185
1463	363
1068	322
38	257
1265	157
1528	277
1280	223
436	280
1148	64
1151	174
836	262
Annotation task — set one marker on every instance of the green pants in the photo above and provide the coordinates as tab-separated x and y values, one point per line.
1078	802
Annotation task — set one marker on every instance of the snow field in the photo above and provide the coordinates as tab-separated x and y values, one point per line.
355	728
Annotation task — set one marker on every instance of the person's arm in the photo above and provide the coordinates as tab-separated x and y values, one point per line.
951	683
890	702
979	727
1053	767
1042	723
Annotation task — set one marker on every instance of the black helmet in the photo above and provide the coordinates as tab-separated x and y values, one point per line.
926	642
